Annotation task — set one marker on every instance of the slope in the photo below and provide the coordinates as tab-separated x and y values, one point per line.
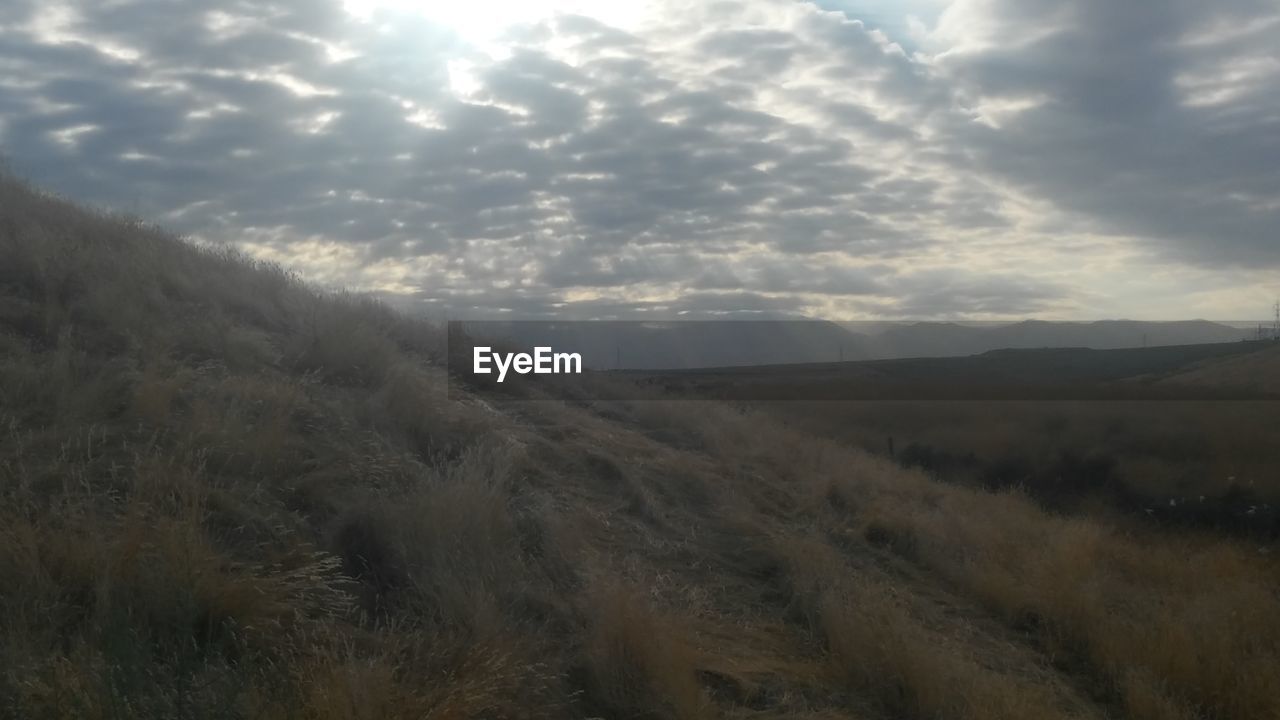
225	494
1257	372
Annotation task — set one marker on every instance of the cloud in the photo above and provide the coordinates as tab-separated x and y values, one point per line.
1158	121
951	294
772	154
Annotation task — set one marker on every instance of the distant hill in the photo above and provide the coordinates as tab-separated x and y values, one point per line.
929	339
608	345
640	345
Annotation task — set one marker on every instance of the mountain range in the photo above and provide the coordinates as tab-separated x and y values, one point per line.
678	345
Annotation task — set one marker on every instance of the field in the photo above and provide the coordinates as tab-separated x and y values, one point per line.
1184	435
224	493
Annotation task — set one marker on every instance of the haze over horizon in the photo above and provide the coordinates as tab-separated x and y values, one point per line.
962	160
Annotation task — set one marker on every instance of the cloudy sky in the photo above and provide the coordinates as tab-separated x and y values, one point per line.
847	159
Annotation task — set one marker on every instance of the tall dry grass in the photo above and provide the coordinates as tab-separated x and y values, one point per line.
878	644
226	494
1170	626
189	438
638	661
1159	624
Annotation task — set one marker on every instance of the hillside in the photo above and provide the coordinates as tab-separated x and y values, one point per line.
1258	372
226	494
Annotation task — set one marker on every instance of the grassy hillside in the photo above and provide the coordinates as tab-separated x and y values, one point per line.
225	494
1259	372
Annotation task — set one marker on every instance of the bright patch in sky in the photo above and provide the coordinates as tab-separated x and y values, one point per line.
483	23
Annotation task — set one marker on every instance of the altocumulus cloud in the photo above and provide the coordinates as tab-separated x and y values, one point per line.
996	158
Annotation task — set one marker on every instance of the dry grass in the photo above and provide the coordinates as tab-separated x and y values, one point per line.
876	644
1136	455
226	494
1157	624
190	440
1161	625
1187	624
640	663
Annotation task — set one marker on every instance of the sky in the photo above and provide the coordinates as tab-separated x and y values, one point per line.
849	159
